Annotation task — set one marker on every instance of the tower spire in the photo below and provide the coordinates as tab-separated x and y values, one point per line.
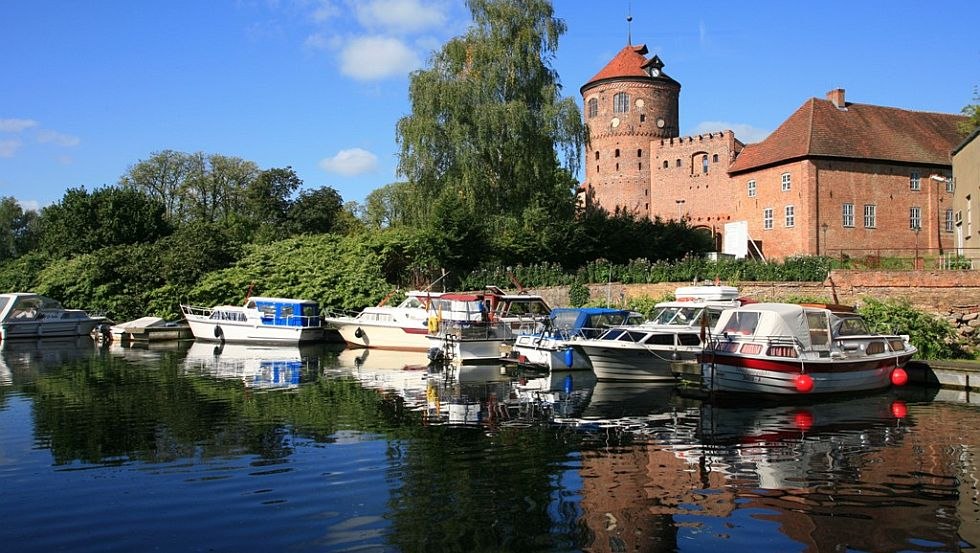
629	23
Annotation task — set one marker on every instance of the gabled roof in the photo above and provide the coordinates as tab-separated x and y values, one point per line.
629	63
859	131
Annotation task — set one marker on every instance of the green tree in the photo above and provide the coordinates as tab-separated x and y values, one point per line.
391	205
487	121
82	222
216	189
972	111
17	226
163	176
315	211
268	199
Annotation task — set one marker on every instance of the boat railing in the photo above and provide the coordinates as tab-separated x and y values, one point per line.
196	311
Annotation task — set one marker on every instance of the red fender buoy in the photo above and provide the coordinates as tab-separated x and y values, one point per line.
899	376
804	383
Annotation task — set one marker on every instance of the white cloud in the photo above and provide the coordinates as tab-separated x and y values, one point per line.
324	10
377	57
30	205
400	16
16	125
46	136
746	133
9	147
350	162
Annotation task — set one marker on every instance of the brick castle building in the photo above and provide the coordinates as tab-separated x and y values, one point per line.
835	177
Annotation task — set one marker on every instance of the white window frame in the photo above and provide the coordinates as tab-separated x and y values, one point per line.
949	219
847	215
621	102
870	216
915	181
767	218
752	190
915	217
786	181
790	212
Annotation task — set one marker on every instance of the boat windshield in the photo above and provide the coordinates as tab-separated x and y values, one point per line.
680	316
850	326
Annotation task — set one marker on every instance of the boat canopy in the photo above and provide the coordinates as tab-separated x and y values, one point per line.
576	318
809	326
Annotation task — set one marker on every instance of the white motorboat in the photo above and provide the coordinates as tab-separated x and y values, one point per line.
27	315
476	327
259	320
401	327
552	348
780	348
643	353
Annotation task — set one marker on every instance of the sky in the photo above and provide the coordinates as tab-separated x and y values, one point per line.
89	88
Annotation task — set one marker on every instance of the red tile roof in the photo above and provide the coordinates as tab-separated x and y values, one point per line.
861	131
630	62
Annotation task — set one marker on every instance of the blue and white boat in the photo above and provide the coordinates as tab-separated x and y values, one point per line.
260	320
552	348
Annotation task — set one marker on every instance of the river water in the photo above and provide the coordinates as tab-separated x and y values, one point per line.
194	447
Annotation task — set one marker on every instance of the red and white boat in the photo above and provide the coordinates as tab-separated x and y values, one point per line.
779	348
401	327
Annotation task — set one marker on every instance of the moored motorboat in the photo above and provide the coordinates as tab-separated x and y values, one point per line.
401	327
643	353
259	320
475	327
552	347
27	315
779	348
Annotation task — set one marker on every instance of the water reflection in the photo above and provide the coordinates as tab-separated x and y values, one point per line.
372	449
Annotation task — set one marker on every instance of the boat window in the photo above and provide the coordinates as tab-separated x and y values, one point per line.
632	336
286	311
612	334
851	326
660	339
309	310
268	310
566	319
742	322
663	316
819	328
689	339
713	316
4	302
412	302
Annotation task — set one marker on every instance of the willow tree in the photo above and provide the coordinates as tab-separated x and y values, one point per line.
488	125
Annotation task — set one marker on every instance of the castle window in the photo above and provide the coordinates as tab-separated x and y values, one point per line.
752	188
915	218
617	167
870	216
914	181
767	218
790	216
678	163
949	219
639	153
593	107
597	155
847	215
639	166
621	102
787	182
617	152
666	164
704	164
643	118
714	158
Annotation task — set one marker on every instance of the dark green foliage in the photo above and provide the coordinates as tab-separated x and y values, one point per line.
315	211
578	294
934	337
17	229
83	223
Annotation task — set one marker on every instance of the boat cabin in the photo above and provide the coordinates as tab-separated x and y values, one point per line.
281	311
589	322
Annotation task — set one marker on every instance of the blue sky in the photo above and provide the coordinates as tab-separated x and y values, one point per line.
88	88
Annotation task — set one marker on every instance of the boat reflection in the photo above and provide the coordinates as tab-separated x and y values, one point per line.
257	366
22	361
566	393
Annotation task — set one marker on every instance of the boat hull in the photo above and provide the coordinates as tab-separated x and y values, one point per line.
47	328
757	375
619	362
361	334
247	332
548	353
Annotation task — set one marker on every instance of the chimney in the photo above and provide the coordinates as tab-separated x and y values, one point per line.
836	97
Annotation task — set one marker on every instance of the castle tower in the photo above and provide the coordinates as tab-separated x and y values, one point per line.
628	104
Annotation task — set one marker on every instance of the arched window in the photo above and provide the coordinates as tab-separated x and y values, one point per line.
621	102
597	155
714	158
639	153
593	107
617	152
666	163
704	164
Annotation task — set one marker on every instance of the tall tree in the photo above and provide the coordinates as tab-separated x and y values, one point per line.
16	229
315	211
162	176
972	112
488	124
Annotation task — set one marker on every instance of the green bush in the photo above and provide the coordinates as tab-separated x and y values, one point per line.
934	337
578	294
